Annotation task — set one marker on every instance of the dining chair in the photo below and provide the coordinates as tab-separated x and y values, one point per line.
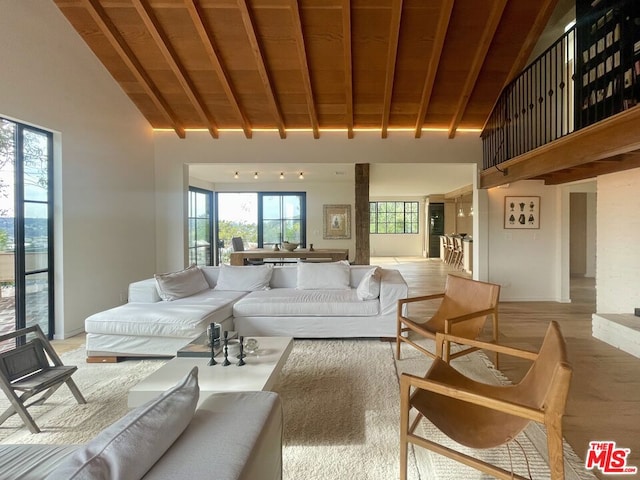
238	246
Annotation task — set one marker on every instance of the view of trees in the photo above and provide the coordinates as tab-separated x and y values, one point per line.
35	166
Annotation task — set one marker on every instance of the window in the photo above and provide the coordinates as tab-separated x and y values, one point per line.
26	224
282	218
200	222
393	217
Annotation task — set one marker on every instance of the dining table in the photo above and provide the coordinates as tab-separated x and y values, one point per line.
317	254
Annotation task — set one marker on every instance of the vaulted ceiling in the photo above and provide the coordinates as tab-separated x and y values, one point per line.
311	64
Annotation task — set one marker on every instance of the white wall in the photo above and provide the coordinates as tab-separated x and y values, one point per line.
103	154
525	262
618	261
174	154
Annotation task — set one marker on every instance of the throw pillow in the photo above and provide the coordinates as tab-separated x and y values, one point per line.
128	449
369	286
175	285
244	279
324	276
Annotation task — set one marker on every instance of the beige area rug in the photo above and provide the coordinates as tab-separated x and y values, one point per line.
341	409
341	405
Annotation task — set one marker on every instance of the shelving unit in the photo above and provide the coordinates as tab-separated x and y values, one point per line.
608	63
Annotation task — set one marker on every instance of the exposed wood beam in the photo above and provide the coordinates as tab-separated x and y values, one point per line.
495	14
109	30
304	67
392	54
590	170
348	65
436	52
539	24
262	70
197	16
163	43
459	192
608	138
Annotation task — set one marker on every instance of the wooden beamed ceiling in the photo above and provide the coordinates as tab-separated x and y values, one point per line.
311	64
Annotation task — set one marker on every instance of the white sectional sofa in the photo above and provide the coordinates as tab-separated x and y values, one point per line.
231	436
306	300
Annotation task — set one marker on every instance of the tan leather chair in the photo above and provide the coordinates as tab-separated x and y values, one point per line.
464	308
480	416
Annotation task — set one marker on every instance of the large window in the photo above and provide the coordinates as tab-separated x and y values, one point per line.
393	217
200	226
26	226
262	219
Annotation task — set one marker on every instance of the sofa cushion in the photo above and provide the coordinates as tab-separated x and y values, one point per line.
233	435
32	461
127	449
183	318
291	302
323	276
245	279
369	286
175	285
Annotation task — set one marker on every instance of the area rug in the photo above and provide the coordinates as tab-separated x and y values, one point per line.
341	407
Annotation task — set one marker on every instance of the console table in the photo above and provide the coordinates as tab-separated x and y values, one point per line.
332	254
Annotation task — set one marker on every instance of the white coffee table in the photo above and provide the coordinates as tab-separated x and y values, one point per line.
259	373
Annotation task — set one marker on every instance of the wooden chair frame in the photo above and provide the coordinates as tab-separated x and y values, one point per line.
405	325
27	369
550	414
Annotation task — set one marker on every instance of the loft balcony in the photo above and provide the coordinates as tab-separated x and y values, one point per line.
573	113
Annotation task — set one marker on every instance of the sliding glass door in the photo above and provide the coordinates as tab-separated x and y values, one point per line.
26	226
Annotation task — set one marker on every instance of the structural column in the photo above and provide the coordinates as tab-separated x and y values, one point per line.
362	214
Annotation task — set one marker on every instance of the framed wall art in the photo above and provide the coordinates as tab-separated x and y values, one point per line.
522	212
337	222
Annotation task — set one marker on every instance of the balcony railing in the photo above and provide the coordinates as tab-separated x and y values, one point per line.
535	108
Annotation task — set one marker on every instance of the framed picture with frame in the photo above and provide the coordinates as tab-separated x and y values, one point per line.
522	212
336	222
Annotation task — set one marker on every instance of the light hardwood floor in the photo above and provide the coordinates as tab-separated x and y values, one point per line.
604	400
